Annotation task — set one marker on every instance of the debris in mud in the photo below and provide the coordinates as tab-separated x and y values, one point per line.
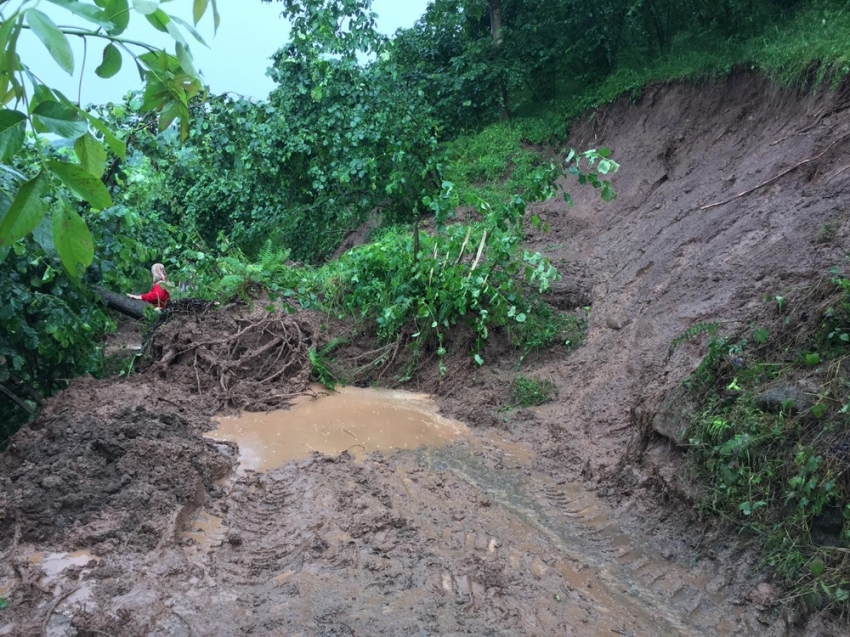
252	360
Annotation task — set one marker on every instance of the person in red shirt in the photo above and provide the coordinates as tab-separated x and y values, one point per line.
158	296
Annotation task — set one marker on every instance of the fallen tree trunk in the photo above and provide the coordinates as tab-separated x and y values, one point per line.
120	303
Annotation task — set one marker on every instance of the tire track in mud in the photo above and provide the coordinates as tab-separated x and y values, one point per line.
669	598
462	539
441	541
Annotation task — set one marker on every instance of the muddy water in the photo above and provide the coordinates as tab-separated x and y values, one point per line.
356	420
52	564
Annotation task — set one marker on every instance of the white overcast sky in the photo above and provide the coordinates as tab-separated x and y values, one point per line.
236	60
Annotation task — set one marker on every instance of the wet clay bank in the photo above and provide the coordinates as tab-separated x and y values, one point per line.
532	522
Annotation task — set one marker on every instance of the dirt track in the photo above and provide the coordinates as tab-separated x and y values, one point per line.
568	533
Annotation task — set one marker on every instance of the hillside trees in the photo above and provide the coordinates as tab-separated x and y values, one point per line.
54	205
479	60
339	138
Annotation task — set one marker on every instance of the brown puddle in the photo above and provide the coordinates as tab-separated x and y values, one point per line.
352	419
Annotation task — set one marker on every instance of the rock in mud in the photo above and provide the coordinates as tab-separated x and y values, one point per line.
675	415
785	396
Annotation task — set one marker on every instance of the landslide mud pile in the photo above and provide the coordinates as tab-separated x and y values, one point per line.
240	359
110	462
106	477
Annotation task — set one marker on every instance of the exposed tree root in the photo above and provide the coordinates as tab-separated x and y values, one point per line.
254	361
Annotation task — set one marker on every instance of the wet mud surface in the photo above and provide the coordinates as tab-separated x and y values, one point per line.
457	540
478	535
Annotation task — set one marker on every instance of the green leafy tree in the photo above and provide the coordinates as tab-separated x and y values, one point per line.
480	60
339	138
58	172
54	185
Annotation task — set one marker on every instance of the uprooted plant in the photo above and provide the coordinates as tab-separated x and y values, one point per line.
256	360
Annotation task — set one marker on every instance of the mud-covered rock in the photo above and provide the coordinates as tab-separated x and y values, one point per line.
785	396
675	415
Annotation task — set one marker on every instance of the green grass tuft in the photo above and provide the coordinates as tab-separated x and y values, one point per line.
530	392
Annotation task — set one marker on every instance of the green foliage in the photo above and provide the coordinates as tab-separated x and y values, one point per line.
493	163
319	363
54	184
692	332
552	56
826	232
783	472
530	392
334	143
49	327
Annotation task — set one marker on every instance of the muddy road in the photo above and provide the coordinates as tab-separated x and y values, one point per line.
470	535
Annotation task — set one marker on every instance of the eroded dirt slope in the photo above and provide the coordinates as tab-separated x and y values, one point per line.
653	263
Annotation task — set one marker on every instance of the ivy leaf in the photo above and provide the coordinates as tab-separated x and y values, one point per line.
111	62
92	154
52	38
12	132
26	210
145	7
73	240
62	120
83	184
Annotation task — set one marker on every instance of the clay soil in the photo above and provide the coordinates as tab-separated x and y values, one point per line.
568	519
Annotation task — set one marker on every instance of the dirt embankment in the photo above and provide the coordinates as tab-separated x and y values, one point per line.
475	538
659	260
